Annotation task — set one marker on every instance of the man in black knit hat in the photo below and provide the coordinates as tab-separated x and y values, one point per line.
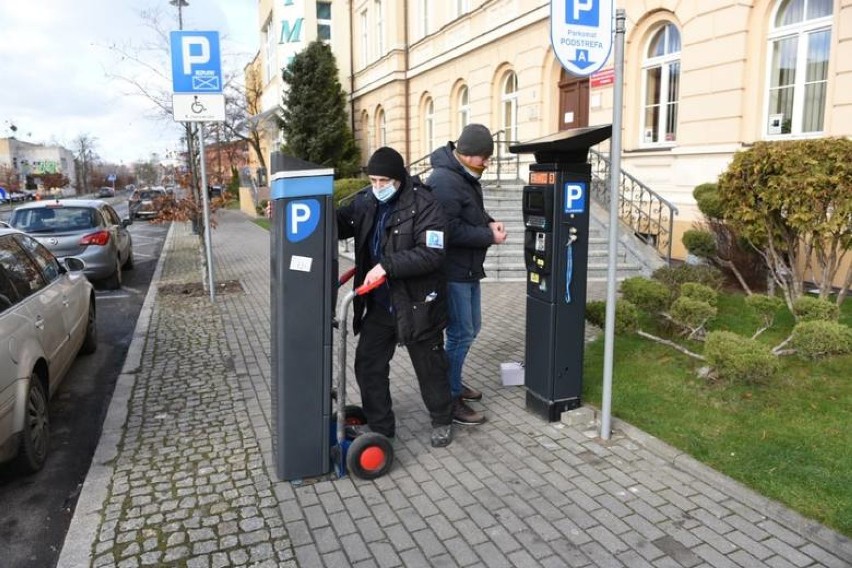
470	231
399	233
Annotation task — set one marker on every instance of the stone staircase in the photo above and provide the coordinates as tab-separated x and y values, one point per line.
506	262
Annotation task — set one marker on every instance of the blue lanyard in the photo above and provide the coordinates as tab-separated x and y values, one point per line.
569	269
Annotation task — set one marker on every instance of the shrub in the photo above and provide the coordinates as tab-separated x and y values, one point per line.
819	338
674	276
699	292
738	358
626	315
700	243
651	296
765	306
707	198
807	308
346	187
261	207
691	312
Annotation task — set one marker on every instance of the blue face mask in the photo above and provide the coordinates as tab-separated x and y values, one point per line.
385	192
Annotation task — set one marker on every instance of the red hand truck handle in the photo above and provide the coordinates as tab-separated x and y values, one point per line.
367	288
345	277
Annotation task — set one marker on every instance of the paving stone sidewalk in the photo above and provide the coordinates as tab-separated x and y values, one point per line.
184	475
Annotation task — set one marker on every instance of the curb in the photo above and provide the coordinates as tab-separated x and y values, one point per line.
81	535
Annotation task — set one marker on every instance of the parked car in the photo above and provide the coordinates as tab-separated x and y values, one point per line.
106	192
88	229
147	203
47	317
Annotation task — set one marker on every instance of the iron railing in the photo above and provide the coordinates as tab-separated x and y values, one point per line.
504	165
649	215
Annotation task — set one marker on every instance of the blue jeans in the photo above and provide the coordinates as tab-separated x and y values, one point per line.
464	309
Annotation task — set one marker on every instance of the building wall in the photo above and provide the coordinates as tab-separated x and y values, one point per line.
34	159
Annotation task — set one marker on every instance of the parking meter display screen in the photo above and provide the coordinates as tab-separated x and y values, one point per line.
534	203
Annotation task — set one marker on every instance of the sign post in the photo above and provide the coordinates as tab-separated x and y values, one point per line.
197	97
581	33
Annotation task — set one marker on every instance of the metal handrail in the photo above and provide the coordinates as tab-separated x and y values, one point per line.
647	213
507	164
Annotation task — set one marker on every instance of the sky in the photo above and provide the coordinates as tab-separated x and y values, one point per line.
71	68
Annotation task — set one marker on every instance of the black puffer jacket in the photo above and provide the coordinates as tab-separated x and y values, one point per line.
468	233
417	284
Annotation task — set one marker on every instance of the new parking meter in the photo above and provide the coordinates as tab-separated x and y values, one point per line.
556	245
303	269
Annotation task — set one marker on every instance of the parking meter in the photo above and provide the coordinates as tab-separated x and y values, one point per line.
556	246
303	272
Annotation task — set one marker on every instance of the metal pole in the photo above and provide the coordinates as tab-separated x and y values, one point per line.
614	171
208	246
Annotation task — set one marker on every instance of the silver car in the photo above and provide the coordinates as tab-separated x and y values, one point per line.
47	316
88	229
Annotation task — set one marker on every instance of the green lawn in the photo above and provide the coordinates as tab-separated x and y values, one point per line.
790	440
263	222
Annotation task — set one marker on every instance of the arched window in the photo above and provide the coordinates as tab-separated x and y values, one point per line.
799	43
463	106
509	106
661	71
367	132
428	125
381	128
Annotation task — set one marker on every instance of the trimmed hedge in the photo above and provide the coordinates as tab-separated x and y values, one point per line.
626	315
819	338
650	296
674	276
700	292
738	358
806	308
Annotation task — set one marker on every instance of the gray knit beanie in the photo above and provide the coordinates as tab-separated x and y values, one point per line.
475	140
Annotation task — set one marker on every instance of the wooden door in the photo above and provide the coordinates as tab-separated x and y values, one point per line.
573	101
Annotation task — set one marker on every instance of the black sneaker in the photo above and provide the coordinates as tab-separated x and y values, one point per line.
464	414
442	435
470	393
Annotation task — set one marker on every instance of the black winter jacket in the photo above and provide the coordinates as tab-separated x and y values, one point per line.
468	233
417	284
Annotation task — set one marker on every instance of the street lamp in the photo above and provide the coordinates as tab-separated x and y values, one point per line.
180	4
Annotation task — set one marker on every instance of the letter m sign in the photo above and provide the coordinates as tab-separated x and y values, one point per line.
582	12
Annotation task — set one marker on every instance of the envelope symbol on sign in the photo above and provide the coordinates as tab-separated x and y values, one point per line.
205	83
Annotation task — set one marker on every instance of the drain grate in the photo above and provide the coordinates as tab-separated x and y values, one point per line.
196	289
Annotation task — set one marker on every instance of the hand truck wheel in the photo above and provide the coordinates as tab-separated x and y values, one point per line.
369	456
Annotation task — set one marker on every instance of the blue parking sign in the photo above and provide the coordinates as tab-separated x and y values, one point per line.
196	62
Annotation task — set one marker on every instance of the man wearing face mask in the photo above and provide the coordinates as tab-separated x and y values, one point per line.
470	231
398	229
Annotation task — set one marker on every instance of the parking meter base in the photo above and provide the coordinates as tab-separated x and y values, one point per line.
550	410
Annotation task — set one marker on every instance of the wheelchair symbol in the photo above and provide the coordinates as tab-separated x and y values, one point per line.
197	107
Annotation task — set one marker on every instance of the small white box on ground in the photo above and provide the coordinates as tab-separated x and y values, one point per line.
512	374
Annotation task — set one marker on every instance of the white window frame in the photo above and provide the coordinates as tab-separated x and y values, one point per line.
424	18
326	22
801	31
382	130
271	50
380	28
429	125
509	106
463	101
462	7
664	63
365	43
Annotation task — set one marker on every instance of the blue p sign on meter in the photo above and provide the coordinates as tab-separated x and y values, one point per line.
196	62
581	34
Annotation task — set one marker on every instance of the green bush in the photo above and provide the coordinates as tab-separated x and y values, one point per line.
820	338
765	306
707	198
807	308
699	292
738	358
700	243
674	276
651	296
346	187
261	207
626	315
691	312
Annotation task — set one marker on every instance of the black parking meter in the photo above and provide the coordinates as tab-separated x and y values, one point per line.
303	271
556	246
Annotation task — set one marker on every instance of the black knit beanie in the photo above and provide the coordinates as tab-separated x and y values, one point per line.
475	140
386	162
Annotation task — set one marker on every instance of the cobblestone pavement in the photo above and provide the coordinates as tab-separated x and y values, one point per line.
184	475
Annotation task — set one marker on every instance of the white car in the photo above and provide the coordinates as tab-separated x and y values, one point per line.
47	317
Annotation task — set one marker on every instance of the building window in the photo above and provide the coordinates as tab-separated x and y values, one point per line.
381	128
661	70
509	106
368	132
424	17
428	125
462	7
380	28
365	28
800	42
324	21
464	107
271	44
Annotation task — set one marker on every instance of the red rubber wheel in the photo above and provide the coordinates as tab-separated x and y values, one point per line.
369	456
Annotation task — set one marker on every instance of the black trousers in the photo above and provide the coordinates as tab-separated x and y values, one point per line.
376	346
